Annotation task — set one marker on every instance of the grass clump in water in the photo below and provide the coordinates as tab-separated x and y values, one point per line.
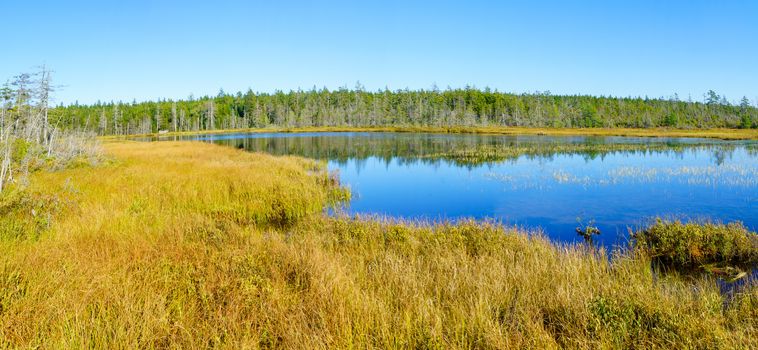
724	249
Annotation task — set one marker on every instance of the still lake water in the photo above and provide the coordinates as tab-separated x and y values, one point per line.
545	182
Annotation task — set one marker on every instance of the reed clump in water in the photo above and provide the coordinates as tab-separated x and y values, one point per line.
724	249
194	245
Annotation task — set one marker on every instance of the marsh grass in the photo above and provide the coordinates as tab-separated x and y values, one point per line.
189	245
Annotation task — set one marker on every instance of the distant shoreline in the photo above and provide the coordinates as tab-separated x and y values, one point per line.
723	134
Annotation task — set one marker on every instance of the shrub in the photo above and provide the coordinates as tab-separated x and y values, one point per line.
25	215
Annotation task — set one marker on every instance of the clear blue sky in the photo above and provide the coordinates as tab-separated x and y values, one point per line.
124	50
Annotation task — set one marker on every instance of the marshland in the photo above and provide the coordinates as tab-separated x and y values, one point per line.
500	175
143	250
313	240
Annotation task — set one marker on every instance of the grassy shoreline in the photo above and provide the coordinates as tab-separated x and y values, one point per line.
723	134
187	244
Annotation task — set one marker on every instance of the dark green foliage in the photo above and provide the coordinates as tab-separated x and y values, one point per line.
671	120
590	118
746	122
712	98
747	118
343	107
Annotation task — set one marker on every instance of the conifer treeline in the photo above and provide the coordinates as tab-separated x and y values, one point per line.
358	107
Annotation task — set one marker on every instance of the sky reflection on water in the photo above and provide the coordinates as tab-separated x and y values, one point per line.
533	181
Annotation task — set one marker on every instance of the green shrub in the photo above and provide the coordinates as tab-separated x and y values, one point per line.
24	215
20	149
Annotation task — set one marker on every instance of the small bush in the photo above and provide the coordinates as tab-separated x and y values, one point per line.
24	215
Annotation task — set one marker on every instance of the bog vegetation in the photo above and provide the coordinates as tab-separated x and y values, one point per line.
185	245
180	244
358	107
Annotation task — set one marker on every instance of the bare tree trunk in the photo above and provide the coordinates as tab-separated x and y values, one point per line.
212	115
50	144
44	95
6	172
103	122
173	114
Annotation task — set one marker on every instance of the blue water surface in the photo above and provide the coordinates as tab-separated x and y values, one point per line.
414	176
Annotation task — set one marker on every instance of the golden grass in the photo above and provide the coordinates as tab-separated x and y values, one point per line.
724	134
189	245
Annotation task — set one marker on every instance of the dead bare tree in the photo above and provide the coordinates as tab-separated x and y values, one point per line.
6	172
28	138
44	90
173	115
211	115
